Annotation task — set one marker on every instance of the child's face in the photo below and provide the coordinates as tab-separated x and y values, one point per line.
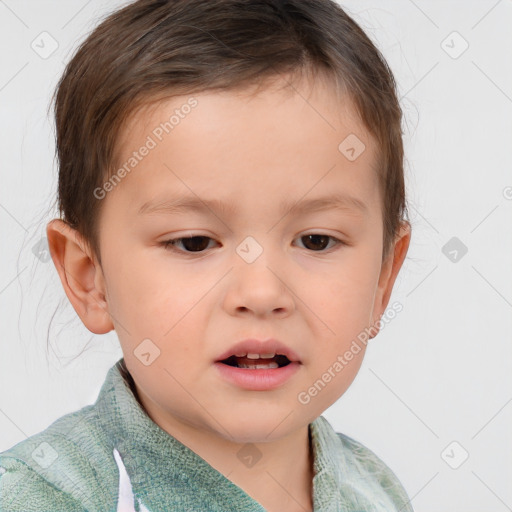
313	295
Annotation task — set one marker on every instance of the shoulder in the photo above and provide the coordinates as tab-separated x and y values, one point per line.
23	490
374	471
69	466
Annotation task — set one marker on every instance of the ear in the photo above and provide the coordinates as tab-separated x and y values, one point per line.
389	271
81	276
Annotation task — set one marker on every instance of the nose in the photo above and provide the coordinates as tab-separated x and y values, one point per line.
259	289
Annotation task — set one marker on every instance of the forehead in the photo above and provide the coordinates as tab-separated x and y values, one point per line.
286	139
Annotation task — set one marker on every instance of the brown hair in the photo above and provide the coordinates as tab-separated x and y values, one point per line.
152	49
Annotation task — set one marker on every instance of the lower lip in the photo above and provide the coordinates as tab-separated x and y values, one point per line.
259	379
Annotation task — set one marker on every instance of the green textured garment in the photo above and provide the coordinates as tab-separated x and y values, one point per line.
112	457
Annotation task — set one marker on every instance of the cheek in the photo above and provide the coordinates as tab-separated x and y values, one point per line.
329	379
342	317
346	298
163	305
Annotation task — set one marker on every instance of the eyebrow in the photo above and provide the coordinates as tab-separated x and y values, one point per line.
341	202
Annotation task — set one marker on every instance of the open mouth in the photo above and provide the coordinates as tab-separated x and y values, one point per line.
278	361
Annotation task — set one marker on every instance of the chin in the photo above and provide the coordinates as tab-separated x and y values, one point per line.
257	427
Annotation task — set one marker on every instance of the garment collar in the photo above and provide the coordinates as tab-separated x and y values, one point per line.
138	438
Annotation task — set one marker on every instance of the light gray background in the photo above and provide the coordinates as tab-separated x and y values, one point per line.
440	372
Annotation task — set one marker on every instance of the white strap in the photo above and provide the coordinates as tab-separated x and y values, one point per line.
125	502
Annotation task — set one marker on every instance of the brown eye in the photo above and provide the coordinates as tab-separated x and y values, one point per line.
318	242
191	244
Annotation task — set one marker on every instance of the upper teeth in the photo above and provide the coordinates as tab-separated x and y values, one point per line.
257	356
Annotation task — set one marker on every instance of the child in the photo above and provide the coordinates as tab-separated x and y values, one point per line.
259	128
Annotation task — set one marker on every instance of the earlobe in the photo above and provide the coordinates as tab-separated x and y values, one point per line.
389	272
81	276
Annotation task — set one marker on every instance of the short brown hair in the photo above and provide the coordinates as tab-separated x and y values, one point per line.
151	49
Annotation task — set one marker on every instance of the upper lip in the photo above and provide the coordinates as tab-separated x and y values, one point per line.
253	346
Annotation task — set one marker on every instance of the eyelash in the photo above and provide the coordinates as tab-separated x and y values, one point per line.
171	243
